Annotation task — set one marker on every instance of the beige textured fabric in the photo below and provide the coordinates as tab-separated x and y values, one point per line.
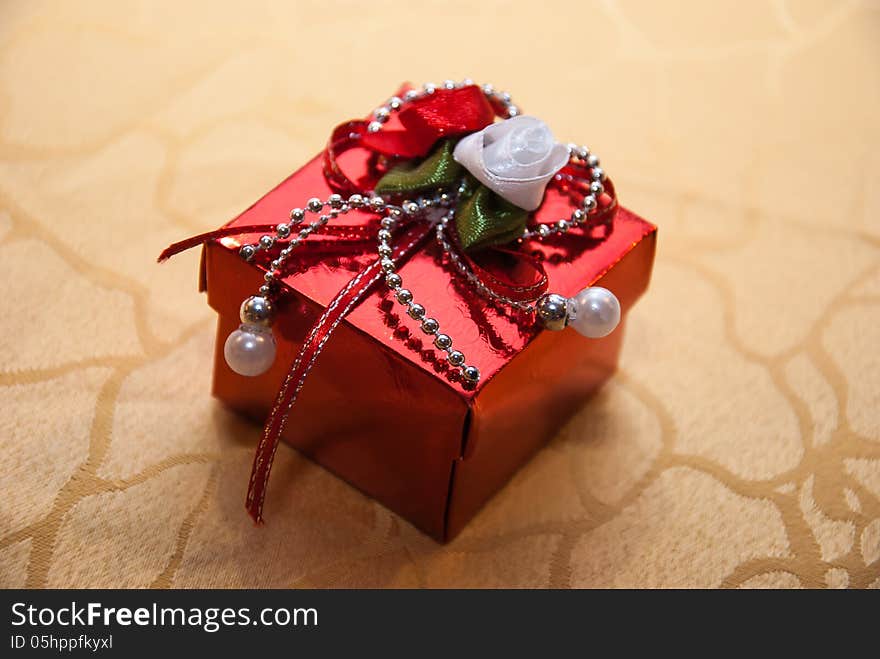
739	445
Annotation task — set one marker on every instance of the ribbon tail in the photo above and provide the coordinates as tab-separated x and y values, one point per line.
348	298
193	241
342	233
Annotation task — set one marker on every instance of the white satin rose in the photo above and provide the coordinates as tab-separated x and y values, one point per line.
515	158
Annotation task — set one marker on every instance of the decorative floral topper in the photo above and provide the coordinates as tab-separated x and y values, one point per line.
508	165
515	159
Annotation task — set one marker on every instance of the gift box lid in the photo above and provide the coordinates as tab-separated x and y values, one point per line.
489	337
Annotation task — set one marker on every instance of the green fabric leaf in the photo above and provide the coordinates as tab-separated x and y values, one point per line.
439	170
483	218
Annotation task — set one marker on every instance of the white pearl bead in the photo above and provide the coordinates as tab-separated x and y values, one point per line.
250	350
596	312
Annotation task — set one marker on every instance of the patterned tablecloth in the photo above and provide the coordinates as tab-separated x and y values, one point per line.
738	446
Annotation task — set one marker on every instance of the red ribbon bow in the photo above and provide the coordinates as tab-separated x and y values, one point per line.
507	272
445	113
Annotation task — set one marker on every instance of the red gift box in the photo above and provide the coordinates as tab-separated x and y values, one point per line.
380	409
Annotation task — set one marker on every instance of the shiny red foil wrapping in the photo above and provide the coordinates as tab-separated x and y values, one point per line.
380	408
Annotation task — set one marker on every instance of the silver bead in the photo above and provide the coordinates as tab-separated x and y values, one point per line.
590	203
385	250
374	127
297	215
578	216
256	310
377	203
335	201
247	252
552	311
394	280
582	152
266	242
382	113
265	290
443	341
543	230
411	95
355	201
562	226
471	373
597	173
394	102
404	296
384	235
430	326
416	311
410	208
283	230
512	111
596	188
429	87
593	160
449	84
456	358
387	223
315	205
387	265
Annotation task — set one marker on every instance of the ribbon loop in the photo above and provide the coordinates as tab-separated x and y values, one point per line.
445	113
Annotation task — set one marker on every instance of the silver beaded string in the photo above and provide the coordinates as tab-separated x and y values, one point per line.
337	206
414	310
578	155
261	311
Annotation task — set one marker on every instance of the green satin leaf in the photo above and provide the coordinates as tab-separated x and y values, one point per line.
483	219
439	170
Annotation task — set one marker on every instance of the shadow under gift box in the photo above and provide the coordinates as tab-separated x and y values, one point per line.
380	408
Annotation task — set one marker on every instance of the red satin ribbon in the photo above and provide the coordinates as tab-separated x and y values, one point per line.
349	297
507	272
344	137
445	113
343	233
